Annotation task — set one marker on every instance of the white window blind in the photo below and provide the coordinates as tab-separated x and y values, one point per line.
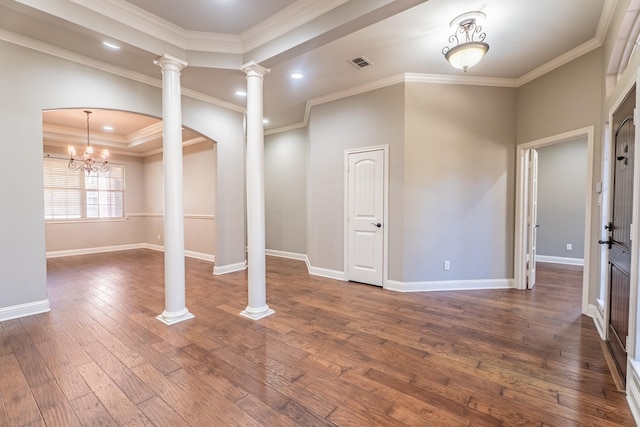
72	194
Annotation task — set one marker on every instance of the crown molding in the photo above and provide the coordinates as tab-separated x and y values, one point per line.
137	18
144	135
605	19
289	18
192	141
213	42
48	49
70	135
560	61
460	80
389	81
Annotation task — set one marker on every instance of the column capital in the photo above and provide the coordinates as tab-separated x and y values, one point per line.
168	61
252	68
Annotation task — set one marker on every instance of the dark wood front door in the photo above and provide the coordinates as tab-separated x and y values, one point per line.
620	232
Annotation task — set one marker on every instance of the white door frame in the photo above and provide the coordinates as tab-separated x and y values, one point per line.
385	201
520	246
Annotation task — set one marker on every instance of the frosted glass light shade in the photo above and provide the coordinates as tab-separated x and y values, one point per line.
466	55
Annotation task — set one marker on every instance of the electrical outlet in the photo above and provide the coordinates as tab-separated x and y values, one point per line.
446	265
569	247
158	237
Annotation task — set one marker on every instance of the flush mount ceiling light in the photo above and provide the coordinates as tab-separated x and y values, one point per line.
469	47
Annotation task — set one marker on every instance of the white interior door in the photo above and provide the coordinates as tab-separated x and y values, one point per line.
365	218
532	218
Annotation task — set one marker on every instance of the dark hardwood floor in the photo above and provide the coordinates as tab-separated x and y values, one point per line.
334	353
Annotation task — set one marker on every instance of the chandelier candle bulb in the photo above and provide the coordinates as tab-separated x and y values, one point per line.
88	163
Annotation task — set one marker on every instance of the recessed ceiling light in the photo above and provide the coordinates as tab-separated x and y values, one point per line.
241	93
265	121
107	128
111	45
297	76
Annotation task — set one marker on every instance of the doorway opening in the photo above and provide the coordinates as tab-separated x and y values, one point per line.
523	207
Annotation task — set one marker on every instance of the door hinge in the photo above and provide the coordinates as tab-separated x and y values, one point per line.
626	344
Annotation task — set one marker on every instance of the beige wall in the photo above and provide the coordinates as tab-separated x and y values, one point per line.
144	206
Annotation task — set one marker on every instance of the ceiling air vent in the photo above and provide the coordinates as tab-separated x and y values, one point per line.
360	62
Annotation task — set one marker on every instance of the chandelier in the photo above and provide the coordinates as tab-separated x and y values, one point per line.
88	163
469	48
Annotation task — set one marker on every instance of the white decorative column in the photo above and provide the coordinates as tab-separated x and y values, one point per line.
257	307
174	275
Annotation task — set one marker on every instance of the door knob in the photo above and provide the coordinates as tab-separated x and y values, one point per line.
609	242
376	224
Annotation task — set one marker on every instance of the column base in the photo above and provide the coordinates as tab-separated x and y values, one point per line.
171	318
257	313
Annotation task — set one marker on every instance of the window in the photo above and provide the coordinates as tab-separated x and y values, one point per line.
72	194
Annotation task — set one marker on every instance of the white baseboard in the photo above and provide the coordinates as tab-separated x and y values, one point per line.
22	310
325	272
97	250
289	255
597	314
314	271
200	255
633	389
102	249
231	268
559	260
449	285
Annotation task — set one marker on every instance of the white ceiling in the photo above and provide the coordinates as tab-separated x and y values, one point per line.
315	37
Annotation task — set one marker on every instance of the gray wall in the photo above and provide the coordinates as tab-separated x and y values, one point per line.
565	99
31	82
562	175
369	119
450	188
286	191
458	186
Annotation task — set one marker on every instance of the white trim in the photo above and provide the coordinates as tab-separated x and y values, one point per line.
385	207
559	61
288	255
200	256
118	248
390	81
559	260
230	268
199	216
325	272
23	310
632	350
596	312
449	285
633	389
520	242
48	49
96	250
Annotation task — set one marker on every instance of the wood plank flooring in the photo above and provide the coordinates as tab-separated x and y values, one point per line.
334	354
